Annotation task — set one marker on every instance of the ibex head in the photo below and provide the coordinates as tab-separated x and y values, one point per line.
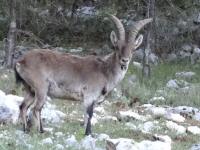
126	45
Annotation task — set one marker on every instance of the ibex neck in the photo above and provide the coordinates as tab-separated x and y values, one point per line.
113	70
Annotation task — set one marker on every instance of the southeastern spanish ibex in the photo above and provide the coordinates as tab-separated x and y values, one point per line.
89	79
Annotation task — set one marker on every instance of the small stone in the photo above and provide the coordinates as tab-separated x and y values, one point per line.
59	147
175	117
194	130
120	144
172	84
197	19
163	138
47	141
48	130
187	75
157	111
131	115
88	143
94	119
154	99
171	57
137	65
196	50
147	127
131	126
155	145
109	118
195	147
71	141
102	137
187	48
197	116
178	128
100	110
59	134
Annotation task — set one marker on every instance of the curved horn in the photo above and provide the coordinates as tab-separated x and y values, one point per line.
120	29
135	29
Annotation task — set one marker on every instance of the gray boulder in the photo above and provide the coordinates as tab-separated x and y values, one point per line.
171	57
195	147
186	75
197	19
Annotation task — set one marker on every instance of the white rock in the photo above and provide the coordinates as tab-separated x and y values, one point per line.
9	107
196	50
160	98
147	105
197	19
194	130
147	127
99	109
197	116
175	117
131	115
185	109
47	141
78	50
59	147
137	65
131	126
88	143
102	137
120	144
94	119
59	134
50	114
172	84
195	147
163	138
178	128
153	58
71	141
171	57
187	75
186	47
129	144
109	118
48	130
157	111
156	145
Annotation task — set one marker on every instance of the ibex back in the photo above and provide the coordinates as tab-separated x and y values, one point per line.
89	79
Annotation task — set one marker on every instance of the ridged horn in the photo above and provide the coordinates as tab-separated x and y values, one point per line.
135	29
120	29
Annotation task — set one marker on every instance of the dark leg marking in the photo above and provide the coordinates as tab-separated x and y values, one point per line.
104	91
88	130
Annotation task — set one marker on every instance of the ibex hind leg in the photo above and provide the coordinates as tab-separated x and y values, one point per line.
40	98
27	102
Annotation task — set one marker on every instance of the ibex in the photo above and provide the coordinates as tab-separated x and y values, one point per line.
89	79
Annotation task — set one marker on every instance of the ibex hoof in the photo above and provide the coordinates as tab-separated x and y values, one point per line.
25	129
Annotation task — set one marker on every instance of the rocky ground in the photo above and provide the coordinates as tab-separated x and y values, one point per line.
117	124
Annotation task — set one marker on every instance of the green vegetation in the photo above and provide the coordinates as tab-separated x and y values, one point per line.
146	88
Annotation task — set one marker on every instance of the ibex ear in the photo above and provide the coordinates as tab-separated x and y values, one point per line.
113	38
138	41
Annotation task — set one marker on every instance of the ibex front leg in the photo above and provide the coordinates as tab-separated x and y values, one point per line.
87	118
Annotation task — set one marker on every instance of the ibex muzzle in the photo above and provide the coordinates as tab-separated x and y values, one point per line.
89	79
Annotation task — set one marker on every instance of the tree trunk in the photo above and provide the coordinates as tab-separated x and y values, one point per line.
74	8
150	40
11	38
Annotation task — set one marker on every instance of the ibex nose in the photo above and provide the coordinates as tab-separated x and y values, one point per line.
124	60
